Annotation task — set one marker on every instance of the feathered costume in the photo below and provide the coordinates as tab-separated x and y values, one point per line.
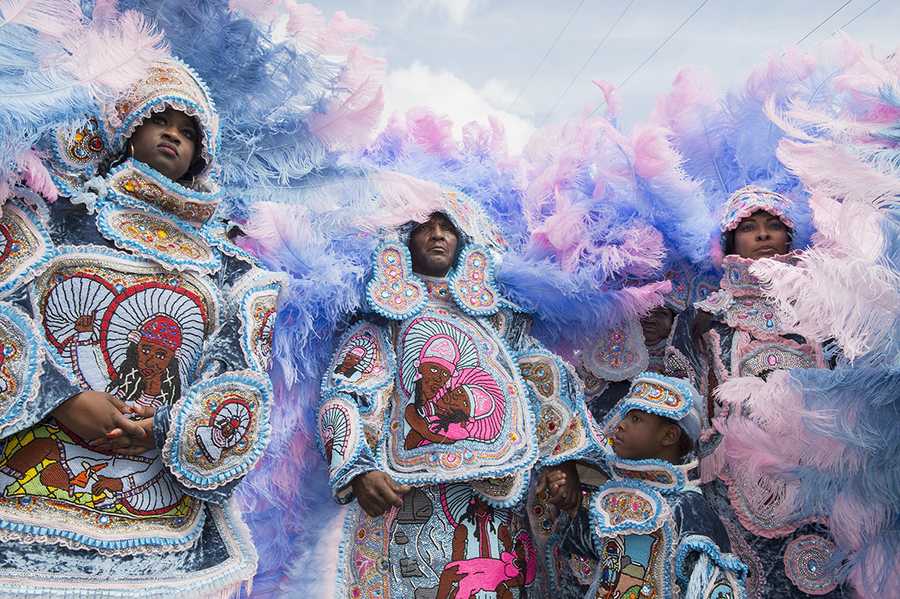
128	259
751	339
830	436
324	233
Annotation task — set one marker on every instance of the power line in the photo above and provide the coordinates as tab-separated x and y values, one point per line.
587	62
861	13
828	18
656	50
546	55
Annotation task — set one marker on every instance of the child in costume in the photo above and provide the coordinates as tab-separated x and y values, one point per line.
429	420
647	531
136	348
740	332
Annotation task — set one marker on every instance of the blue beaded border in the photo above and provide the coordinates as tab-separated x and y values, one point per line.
703	544
35	268
416	308
489	282
185	407
93	543
103	214
158	178
247	318
599	523
29	330
685	390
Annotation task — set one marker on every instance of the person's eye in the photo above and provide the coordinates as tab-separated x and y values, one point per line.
745	227
189	134
777	225
158	119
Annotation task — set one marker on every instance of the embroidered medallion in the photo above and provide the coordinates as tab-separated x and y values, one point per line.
219	429
806	561
472	283
151	233
762	503
20	364
759	316
364	361
257	296
25	247
619	354
624	507
760	358
659	474
134	180
339	433
462	409
395	291
98	306
80	146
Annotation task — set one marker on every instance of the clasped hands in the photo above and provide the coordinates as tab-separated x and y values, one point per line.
107	424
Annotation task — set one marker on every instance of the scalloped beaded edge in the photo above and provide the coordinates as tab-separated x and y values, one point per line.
416	308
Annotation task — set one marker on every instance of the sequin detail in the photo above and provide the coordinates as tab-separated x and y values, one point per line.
806	561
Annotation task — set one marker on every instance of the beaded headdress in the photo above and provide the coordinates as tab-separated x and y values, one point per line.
749	199
664	396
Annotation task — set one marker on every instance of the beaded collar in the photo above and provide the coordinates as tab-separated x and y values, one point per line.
143	212
665	477
737	278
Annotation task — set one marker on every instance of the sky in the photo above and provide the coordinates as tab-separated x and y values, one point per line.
469	59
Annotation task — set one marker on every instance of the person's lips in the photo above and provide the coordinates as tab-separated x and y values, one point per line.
766	251
168	149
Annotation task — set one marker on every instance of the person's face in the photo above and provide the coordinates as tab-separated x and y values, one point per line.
152	359
350	362
433	378
167	141
455	401
761	235
641	436
657	325
433	246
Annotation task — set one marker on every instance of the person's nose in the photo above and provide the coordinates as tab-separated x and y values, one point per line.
172	135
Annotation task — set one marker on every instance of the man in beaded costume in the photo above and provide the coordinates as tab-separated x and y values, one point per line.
646	531
739	332
432	431
137	340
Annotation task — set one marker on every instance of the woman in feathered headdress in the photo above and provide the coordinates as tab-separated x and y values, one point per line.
830	435
739	335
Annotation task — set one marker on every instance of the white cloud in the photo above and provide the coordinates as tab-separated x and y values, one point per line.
457	10
446	94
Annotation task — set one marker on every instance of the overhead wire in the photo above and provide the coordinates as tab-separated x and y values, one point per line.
819	26
546	55
587	62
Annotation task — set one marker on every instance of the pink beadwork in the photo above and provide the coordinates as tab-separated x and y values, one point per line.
805	562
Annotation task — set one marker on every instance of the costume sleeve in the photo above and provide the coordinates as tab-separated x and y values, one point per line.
218	429
356	390
704	572
563	422
30	388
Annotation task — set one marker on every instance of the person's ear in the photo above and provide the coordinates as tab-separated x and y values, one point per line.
671	434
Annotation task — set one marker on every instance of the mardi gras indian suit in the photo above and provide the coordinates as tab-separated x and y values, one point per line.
441	387
129	287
